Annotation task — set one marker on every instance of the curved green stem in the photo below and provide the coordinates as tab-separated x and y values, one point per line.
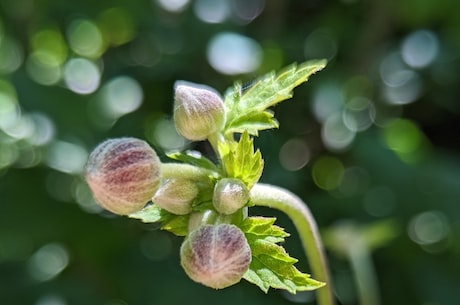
185	171
285	201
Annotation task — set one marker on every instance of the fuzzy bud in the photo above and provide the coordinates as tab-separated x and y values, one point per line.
216	256
229	195
176	196
123	174
198	112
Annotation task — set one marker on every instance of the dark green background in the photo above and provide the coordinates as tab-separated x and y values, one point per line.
397	183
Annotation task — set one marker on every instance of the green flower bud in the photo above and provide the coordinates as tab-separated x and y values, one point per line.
229	195
123	174
198	112
216	256
176	196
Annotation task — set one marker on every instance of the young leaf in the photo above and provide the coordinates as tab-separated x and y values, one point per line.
247	111
264	227
151	213
266	276
176	224
271	266
240	161
194	158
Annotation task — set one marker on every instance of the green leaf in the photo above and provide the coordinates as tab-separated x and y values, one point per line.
151	213
240	161
271	265
176	224
263	226
193	157
247	111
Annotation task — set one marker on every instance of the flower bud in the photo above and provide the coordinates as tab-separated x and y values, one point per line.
216	256
229	195
176	196
198	112
123	174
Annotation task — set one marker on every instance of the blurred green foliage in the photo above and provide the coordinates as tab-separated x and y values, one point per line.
370	143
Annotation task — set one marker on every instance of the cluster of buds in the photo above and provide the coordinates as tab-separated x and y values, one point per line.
124	174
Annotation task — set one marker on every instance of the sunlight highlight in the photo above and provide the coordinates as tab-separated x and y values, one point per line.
121	96
85	38
420	49
212	11
294	154
430	230
48	262
66	157
327	173
173	5
81	75
231	53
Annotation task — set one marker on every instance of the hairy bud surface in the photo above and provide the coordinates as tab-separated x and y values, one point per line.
198	112
176	195
216	256
123	174
229	195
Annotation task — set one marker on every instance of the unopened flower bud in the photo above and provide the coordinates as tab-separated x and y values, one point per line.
123	174
229	195
198	112
176	195
216	256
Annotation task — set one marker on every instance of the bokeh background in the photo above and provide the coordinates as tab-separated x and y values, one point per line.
371	143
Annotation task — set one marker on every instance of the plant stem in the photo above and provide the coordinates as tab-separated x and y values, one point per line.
214	140
185	171
363	268
287	202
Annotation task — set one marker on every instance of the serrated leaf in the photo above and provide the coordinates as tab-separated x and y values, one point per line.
265	278
248	110
151	213
271	265
176	224
194	158
240	160
263	226
255	121
262	246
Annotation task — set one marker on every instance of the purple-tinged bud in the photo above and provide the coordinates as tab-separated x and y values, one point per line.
176	195
216	256
229	195
198	112
123	174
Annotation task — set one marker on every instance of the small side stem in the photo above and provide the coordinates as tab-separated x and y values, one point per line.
214	140
287	202
185	171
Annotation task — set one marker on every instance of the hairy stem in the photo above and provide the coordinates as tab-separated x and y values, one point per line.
214	140
185	171
287	202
